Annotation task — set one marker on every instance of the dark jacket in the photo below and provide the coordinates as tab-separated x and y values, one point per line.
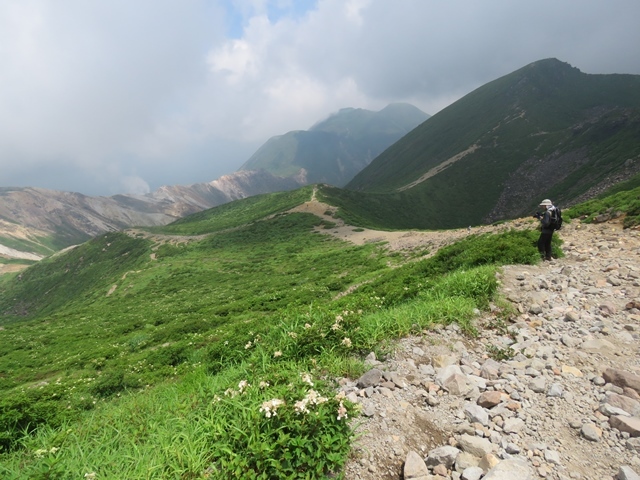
545	221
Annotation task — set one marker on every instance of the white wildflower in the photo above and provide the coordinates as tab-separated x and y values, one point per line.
315	398
40	452
270	407
346	342
306	378
301	406
342	411
277	353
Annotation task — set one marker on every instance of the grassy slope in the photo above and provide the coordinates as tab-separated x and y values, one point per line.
132	384
624	199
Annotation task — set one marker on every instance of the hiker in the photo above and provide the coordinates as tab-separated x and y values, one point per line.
546	229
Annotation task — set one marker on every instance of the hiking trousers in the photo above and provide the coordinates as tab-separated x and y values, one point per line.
544	245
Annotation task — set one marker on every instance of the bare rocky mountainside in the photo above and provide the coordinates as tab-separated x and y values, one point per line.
35	222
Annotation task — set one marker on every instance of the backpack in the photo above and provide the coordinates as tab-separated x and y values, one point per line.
555	219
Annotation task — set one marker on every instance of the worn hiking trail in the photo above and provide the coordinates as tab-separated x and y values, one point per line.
564	406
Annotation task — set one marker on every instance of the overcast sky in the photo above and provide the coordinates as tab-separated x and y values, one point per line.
123	96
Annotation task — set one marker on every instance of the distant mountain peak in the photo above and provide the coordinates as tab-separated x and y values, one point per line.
335	149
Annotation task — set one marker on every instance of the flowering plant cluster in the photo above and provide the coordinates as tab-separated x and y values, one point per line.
270	407
304	406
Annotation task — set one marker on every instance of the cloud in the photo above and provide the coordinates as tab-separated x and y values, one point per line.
117	96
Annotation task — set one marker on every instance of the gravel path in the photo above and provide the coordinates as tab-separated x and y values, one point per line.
566	405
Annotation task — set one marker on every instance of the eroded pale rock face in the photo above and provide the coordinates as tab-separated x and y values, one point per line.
563	407
33	213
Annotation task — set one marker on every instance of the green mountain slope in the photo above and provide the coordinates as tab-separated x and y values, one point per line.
334	150
113	350
545	130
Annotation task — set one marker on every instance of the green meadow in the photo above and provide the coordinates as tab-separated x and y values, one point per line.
210	348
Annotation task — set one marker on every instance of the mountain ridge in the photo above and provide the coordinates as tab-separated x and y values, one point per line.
545	130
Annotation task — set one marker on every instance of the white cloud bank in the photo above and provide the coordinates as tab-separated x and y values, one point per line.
120	96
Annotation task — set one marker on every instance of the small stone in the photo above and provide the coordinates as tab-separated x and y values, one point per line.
512	449
513	425
414	466
440	361
607	308
442	456
609	410
633	444
440	470
510	469
535	309
555	390
427	370
569	341
571	317
631	425
622	378
489	399
457	384
623	402
575	423
591	432
538	385
598	346
571	371
488	461
476	414
475	445
369	379
551	456
432	401
627	473
472	473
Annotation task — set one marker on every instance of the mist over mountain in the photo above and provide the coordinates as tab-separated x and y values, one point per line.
546	130
334	150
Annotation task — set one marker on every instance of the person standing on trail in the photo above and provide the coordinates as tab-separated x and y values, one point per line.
546	229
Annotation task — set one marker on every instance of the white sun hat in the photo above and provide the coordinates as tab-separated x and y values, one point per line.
546	203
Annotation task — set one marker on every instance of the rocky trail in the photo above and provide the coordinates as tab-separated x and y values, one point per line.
554	392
